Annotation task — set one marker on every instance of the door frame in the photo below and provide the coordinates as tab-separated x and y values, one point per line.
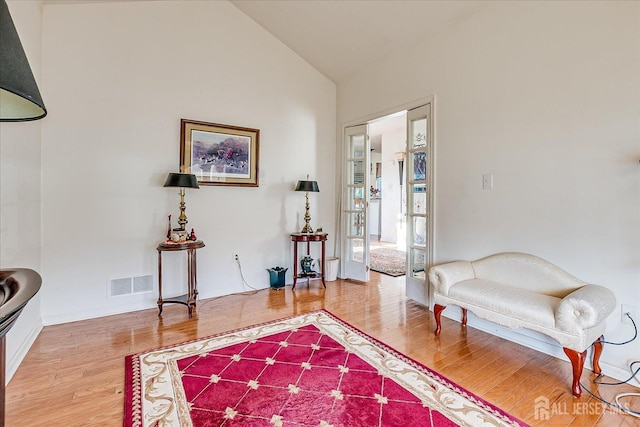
340	240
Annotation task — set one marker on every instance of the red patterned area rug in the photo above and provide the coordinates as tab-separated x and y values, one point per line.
308	370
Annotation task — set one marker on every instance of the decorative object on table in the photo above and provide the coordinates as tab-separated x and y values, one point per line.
192	236
169	229
306	265
179	236
182	181
277	276
307	186
220	154
268	384
374	192
20	98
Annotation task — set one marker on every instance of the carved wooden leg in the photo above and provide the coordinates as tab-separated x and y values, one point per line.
464	317
577	361
597	351
437	311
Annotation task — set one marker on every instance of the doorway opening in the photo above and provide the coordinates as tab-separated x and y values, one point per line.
402	144
387	202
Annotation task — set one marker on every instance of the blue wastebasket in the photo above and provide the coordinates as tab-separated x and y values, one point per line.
277	276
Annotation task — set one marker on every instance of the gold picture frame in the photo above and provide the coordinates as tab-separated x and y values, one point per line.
219	154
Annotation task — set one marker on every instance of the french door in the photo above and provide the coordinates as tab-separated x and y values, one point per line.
417	184
355	203
419	198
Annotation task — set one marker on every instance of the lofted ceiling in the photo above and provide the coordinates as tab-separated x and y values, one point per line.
339	36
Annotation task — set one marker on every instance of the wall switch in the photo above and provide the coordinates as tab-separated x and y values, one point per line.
487	181
633	311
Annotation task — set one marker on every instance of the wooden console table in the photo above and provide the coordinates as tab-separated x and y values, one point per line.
308	238
188	299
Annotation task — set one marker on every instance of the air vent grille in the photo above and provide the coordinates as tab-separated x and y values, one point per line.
142	284
131	285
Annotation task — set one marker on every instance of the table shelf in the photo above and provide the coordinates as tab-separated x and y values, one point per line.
308	238
189	299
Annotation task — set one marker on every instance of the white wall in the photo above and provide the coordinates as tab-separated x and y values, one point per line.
119	77
392	142
546	97
20	200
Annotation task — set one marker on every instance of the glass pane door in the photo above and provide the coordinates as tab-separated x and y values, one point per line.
419	190
356	201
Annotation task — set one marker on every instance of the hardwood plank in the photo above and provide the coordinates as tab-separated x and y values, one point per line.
74	373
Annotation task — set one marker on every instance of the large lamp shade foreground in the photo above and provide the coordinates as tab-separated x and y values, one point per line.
20	98
307	186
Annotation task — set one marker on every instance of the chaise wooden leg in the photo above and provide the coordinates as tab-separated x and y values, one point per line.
597	351
577	361
464	317
437	311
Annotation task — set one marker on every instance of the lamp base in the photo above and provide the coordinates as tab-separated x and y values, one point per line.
307	229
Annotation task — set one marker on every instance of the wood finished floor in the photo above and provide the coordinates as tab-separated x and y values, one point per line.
74	373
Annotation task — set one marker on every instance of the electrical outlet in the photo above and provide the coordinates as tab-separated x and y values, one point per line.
235	257
633	312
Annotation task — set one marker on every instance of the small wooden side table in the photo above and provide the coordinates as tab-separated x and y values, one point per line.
188	299
308	238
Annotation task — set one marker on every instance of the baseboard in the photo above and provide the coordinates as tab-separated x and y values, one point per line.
93	314
15	360
120	309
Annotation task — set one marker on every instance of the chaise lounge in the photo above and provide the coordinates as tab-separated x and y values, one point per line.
519	290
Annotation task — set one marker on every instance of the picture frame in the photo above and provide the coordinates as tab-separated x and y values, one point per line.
219	154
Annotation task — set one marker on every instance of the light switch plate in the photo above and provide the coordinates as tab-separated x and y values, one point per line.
487	181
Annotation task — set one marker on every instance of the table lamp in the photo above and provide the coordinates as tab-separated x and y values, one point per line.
20	99
181	180
307	186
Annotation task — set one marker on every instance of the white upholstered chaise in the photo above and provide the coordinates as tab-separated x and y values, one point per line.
519	290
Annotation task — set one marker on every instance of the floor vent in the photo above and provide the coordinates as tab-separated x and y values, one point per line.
131	285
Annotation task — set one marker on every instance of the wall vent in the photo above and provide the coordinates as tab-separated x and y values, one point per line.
142	284
120	287
131	285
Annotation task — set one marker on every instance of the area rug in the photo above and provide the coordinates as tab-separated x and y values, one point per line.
308	370
388	261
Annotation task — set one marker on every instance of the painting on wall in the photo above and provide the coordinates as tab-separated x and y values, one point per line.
219	154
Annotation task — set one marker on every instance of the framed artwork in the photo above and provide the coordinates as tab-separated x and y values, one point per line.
219	154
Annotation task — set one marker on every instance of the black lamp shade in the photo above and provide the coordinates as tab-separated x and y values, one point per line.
307	186
20	98
184	180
